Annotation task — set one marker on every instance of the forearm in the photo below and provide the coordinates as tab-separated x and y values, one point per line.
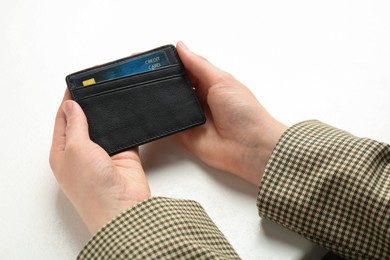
330	187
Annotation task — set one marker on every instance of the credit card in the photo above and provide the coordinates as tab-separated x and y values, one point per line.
130	66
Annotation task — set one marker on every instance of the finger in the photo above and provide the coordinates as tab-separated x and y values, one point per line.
59	139
132	154
67	95
205	73
76	123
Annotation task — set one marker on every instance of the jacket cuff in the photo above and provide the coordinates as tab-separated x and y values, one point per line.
159	228
330	187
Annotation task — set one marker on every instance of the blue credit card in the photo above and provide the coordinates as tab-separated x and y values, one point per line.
128	67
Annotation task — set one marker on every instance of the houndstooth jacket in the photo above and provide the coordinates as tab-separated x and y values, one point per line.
320	182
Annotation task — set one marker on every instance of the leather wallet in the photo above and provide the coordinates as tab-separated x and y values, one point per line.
137	99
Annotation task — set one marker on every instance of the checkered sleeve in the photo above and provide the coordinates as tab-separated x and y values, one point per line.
331	187
160	228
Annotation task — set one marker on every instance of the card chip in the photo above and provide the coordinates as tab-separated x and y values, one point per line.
89	82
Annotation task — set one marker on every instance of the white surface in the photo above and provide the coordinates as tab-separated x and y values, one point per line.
327	60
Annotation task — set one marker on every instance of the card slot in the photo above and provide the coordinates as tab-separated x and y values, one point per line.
128	82
126	86
132	65
130	117
164	69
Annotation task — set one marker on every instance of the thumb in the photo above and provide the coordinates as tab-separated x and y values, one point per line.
76	122
205	74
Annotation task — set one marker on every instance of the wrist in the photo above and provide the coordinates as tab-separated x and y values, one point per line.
255	157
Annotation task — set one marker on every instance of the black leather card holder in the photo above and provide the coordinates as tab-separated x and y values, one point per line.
131	110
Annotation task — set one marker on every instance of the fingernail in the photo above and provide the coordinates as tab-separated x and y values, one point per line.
184	46
67	107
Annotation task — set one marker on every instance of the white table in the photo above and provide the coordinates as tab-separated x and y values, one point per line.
328	60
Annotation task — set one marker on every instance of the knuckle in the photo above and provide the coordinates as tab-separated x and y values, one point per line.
227	76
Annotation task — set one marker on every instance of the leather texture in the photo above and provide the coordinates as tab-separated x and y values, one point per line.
133	110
